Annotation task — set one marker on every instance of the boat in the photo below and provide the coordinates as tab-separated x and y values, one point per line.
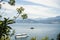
23	35
32	28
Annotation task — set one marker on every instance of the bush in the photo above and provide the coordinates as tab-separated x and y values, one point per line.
33	38
58	36
45	38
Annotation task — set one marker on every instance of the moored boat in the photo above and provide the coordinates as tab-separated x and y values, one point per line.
23	35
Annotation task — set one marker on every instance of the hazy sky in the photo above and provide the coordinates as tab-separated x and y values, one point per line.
35	8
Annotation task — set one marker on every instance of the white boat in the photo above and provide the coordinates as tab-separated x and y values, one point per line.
23	35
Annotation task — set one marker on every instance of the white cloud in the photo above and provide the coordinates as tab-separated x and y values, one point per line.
37	11
33	11
52	3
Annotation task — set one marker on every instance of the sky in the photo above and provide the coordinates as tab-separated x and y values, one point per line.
34	8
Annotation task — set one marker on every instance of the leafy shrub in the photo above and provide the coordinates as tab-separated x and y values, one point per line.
33	38
58	36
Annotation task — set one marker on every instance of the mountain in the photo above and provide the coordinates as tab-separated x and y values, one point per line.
26	21
39	20
50	20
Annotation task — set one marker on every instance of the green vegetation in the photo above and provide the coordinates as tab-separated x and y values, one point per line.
33	38
4	28
8	38
12	2
45	38
58	36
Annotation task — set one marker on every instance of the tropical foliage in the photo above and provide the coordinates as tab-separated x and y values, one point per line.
4	24
12	2
4	28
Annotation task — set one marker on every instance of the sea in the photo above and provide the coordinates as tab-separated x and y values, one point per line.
40	30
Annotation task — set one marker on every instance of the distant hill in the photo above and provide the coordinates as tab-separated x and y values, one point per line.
26	21
50	20
39	20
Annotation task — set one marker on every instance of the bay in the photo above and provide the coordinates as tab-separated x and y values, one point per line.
39	31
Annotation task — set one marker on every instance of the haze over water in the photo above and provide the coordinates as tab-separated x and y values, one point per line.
39	31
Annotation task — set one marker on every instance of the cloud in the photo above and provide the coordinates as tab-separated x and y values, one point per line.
37	11
52	3
47	8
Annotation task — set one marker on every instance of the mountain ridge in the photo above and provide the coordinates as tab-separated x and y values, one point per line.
52	20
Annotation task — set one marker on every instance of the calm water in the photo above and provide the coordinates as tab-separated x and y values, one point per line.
40	31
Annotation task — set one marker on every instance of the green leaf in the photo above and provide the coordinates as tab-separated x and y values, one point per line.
11	21
24	16
0	6
12	2
20	10
0	23
9	27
